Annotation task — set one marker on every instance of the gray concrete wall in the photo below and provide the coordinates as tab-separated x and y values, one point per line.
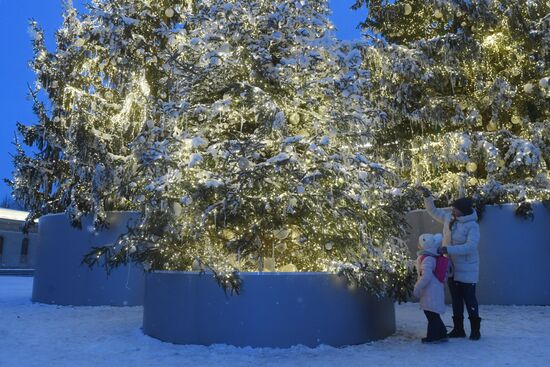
514	254
273	310
61	279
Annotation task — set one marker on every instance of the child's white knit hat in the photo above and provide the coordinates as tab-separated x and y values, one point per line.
430	242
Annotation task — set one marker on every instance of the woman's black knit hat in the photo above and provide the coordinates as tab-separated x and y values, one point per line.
465	205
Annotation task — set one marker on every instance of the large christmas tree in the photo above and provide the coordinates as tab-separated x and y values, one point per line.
255	161
463	91
237	128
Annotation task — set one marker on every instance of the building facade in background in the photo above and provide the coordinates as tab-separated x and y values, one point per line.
17	249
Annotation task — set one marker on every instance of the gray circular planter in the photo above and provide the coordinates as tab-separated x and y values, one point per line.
61	279
273	310
514	254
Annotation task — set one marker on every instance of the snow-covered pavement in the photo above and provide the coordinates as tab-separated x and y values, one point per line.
46	335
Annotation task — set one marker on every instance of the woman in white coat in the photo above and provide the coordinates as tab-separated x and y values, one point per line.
460	242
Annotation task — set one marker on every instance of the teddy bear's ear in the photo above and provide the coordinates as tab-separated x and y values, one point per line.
438	237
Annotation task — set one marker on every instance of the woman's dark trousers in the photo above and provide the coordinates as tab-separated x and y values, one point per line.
464	293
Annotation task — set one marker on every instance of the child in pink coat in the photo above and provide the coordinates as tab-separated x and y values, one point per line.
429	288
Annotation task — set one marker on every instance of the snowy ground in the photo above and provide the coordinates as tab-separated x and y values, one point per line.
46	335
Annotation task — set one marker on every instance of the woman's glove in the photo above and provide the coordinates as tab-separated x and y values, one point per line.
442	250
424	191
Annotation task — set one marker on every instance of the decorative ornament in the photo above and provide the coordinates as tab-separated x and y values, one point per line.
176	209
501	163
329	246
471	167
281	233
543	82
269	264
438	14
516	120
300	189
294	118
186	200
492	126
79	42
169	12
289	268
408	8
281	247
243	163
528	88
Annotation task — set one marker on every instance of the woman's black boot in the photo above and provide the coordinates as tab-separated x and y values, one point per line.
475	324
458	329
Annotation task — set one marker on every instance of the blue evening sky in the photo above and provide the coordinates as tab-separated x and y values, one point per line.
15	73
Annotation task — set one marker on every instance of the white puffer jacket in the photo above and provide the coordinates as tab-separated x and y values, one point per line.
428	288
462	242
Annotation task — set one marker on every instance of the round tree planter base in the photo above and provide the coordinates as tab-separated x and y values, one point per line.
272	310
513	253
61	279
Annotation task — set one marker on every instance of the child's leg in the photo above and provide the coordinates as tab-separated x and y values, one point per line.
442	330
436	327
433	326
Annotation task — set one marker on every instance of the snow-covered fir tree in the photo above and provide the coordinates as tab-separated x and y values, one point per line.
464	95
235	126
92	96
253	159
